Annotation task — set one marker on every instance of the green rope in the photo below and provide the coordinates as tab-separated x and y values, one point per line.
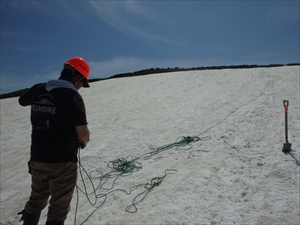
124	165
156	181
121	167
180	142
232	112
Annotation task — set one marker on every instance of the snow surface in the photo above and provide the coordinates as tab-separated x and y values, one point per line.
236	174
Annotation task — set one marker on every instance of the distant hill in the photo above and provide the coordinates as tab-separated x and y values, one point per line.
161	70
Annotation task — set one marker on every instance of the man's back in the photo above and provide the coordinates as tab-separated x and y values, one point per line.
54	115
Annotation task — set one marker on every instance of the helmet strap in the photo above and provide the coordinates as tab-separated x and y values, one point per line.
76	81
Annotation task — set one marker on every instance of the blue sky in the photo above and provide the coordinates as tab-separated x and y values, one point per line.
37	37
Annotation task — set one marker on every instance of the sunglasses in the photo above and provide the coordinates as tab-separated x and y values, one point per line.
85	82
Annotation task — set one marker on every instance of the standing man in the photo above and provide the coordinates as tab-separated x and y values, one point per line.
59	128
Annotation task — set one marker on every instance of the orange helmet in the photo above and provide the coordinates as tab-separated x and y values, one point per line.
80	65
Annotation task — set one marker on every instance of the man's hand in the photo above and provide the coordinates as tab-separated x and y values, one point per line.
82	144
83	132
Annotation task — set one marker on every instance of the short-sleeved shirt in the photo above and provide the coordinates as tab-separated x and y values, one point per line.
54	115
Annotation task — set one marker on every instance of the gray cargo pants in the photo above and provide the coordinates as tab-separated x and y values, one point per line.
57	180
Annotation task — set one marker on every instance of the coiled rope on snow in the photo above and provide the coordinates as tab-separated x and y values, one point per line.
126	166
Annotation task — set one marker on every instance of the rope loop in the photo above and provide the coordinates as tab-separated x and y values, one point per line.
124	165
187	140
156	181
